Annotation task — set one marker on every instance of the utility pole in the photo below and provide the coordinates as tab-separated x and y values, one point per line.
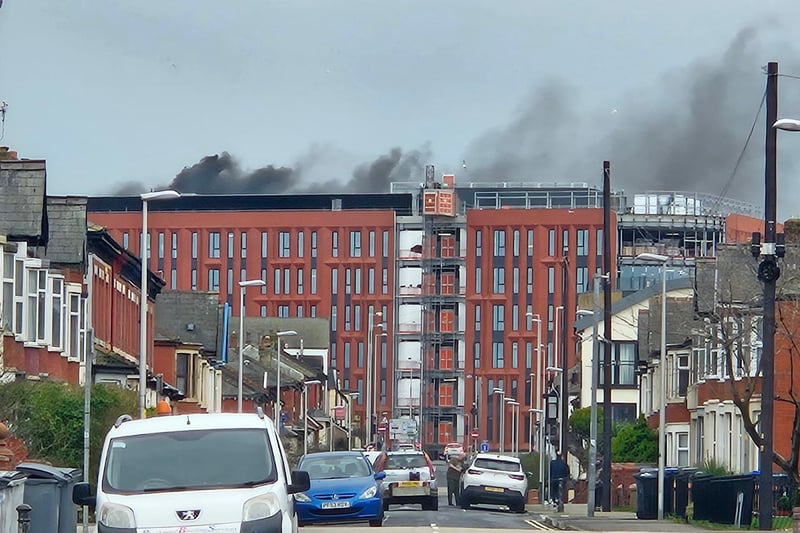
768	273
563	356
606	477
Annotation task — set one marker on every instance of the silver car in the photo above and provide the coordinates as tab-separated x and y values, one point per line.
410	479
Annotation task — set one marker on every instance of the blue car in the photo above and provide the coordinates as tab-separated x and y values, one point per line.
344	488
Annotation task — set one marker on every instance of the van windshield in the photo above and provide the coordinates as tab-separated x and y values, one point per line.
188	460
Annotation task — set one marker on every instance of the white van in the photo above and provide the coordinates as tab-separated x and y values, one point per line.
223	472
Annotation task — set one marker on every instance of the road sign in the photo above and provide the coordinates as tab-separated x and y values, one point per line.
475	434
484	446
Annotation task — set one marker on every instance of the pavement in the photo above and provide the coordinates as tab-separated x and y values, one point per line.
574	518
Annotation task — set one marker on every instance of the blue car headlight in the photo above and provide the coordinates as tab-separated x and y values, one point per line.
369	493
302	498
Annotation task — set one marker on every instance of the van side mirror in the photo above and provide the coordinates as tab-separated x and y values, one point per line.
380	475
82	494
300	482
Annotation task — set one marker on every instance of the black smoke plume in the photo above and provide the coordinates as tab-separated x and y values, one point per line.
222	174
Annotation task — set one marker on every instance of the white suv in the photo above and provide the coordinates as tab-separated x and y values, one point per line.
494	479
410	478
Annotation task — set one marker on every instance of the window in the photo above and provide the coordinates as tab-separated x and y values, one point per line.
499	243
515	280
385	244
530	243
358	280
213	244
448	283
231	242
333	320
335	244
498	318
599	240
564	241
300	243
551	242
174	253
264	243
313	311
623	365
263	311
348	284
528	355
213	279
478	243
372	244
582	279
515	243
582	247
446	394
347	317
371	281
334	280
477	280
499	281
37	298
243	249
194	279
194	245
446	358
287	281
183	379
477	317
385	281
514	354
283	311
299	280
313	244
515	317
76	328
284	244
56	316
125	240
161	245
683	448
529	279
8	292
313	281
355	244
278	280
497	355
357	318
551	280
476	355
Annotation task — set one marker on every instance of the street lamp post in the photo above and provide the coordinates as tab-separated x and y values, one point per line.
146	197
242	288
662	415
539	377
556	361
277	406
514	427
305	412
369	384
350	398
502	394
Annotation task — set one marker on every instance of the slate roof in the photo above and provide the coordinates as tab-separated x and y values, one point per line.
23	206
67	220
189	317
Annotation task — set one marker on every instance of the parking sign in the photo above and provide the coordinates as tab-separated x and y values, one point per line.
484	446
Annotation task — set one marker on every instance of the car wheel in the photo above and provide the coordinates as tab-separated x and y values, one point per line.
519	508
376	523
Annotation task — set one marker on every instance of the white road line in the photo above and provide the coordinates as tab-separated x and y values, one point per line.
537	525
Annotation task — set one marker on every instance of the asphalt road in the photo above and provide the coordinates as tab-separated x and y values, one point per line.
448	518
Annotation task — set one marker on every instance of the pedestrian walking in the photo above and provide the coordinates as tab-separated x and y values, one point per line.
454	468
559	474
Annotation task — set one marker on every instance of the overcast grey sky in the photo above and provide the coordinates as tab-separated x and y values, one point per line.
112	91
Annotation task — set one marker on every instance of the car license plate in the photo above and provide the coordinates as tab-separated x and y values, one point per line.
335	505
410	484
494	489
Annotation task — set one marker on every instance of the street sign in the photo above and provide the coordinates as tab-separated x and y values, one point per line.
484	446
475	434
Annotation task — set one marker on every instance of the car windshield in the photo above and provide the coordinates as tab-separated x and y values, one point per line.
497	464
398	461
187	460
332	467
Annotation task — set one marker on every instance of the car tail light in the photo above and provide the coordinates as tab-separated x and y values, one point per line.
518	477
474	472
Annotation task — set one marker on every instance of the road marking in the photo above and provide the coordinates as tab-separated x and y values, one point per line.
537	525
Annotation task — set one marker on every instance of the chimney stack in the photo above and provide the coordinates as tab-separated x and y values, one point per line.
7	154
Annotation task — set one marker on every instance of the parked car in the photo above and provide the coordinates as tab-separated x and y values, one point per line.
451	449
494	479
410	479
156	475
344	488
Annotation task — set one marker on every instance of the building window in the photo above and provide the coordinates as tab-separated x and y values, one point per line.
497	355
347	318
529	280
333	317
264	242
515	243
683	448
385	244
515	317
551	280
498	318
358	280
283	311
284	244
299	280
348	285
313	281
357	318
446	394
300	311
264	277
161	245
8	292
360	355
623	365
183	380
56	315
263	311
194	279
287	281
551	242
372	244
37	301
125	240
477	317
530	243
478	280
213	245
476	355
385	281
313	244
173	279
478	243
355	244
514	354
499	243
371	281
528	355
334	280
582	279
300	243
515	280
582	247
335	244
194	245
313	311
599	241
213	279
174	247
564	241
499	282
231	243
